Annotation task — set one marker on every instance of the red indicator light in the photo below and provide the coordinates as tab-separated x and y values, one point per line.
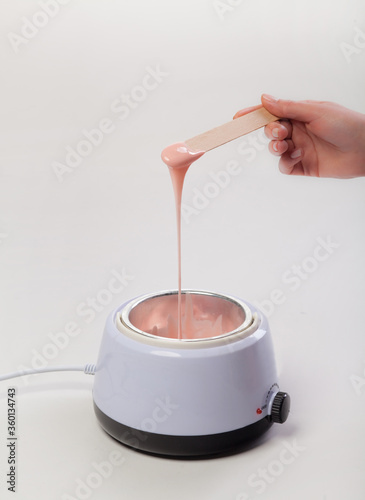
258	411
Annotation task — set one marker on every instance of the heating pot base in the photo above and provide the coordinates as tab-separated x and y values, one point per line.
182	446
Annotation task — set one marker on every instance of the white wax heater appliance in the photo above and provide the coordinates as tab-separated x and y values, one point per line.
187	397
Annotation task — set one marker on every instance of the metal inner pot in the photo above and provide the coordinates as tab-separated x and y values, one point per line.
215	315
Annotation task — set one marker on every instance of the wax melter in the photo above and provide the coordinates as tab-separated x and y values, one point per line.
206	393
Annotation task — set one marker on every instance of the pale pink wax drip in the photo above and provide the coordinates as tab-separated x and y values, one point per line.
195	327
178	157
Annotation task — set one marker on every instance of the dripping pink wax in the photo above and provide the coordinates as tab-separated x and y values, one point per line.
178	157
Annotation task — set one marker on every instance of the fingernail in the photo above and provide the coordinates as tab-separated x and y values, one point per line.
270	98
275	133
275	146
296	153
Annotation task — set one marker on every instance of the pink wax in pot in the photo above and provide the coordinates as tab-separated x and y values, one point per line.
204	315
178	157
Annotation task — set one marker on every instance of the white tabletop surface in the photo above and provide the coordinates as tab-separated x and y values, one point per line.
62	238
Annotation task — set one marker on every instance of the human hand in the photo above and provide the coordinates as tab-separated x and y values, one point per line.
315	138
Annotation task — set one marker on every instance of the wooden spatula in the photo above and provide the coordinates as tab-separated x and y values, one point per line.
231	130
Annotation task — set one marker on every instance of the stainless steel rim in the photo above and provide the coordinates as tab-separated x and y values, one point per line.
124	315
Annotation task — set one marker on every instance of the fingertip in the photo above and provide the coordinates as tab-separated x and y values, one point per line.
267	98
278	130
278	148
272	104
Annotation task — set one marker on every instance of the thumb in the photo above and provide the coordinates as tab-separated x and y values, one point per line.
304	111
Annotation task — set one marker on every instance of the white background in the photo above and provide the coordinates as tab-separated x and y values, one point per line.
61	240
